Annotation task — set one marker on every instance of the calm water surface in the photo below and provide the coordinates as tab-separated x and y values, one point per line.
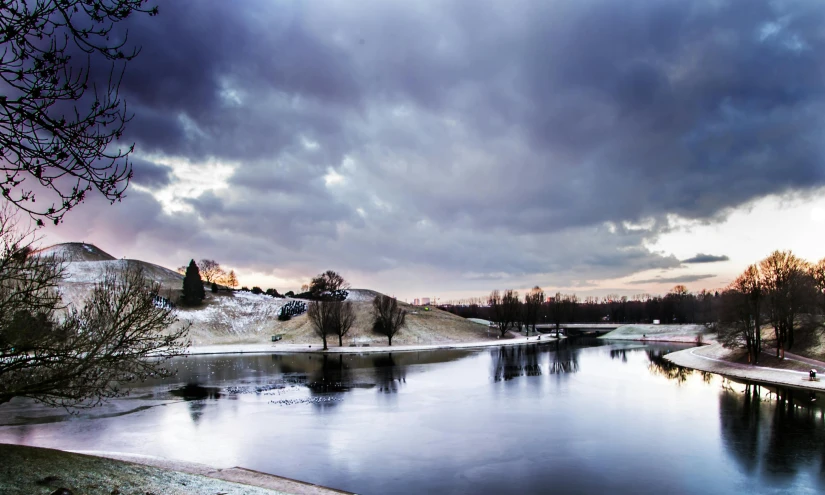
586	417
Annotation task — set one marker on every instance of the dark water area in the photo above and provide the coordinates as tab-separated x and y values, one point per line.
581	416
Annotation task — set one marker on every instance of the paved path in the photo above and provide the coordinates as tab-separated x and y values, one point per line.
316	348
707	358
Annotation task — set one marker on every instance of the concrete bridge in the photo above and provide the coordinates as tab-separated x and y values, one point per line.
576	329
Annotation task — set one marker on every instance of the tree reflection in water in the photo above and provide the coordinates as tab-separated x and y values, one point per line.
776	430
619	354
565	358
388	375
332	375
509	362
660	366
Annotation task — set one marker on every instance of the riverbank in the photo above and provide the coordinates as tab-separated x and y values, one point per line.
683	334
334	349
715	358
34	470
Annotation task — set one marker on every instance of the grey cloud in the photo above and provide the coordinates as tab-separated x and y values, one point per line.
682	279
473	139
149	174
706	258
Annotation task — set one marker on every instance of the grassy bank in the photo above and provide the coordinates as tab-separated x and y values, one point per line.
32	471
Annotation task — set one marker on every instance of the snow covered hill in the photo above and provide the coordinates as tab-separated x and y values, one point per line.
228	317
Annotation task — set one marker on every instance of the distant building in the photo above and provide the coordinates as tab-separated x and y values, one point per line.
425	301
416	302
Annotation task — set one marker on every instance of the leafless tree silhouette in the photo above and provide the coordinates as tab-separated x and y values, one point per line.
58	128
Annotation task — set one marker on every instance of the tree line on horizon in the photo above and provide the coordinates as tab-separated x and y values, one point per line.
782	293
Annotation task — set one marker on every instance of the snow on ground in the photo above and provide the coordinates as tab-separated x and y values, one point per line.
671	333
480	321
75	251
89	272
713	358
361	295
242	313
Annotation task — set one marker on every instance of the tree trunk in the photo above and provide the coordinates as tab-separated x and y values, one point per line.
789	338
757	341
325	342
389	337
340	341
776	335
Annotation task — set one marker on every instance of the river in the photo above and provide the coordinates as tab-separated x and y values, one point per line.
581	416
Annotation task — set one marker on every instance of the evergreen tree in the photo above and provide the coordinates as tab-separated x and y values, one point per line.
193	292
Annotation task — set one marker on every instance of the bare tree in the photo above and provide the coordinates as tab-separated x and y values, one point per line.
388	318
740	324
320	314
532	305
817	274
786	284
211	271
504	308
343	319
65	356
58	129
497	312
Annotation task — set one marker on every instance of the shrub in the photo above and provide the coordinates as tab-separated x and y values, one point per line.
214	287
290	294
257	290
290	309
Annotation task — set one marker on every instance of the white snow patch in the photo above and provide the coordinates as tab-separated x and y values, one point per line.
481	321
242	313
89	271
359	295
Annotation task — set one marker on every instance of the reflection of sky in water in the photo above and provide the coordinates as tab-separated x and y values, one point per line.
612	418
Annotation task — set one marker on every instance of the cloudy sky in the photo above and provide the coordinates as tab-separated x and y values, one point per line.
447	148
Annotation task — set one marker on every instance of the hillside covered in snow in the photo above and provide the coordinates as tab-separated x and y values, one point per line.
233	317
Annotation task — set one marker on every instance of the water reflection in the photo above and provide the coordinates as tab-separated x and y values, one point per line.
389	376
661	366
525	360
716	437
775	431
565	356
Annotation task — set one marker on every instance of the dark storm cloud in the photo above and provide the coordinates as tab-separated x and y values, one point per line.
706	258
150	174
682	279
487	139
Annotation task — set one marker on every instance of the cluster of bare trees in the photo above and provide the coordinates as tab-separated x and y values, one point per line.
330	317
677	306
60	125
69	356
507	311
783	291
